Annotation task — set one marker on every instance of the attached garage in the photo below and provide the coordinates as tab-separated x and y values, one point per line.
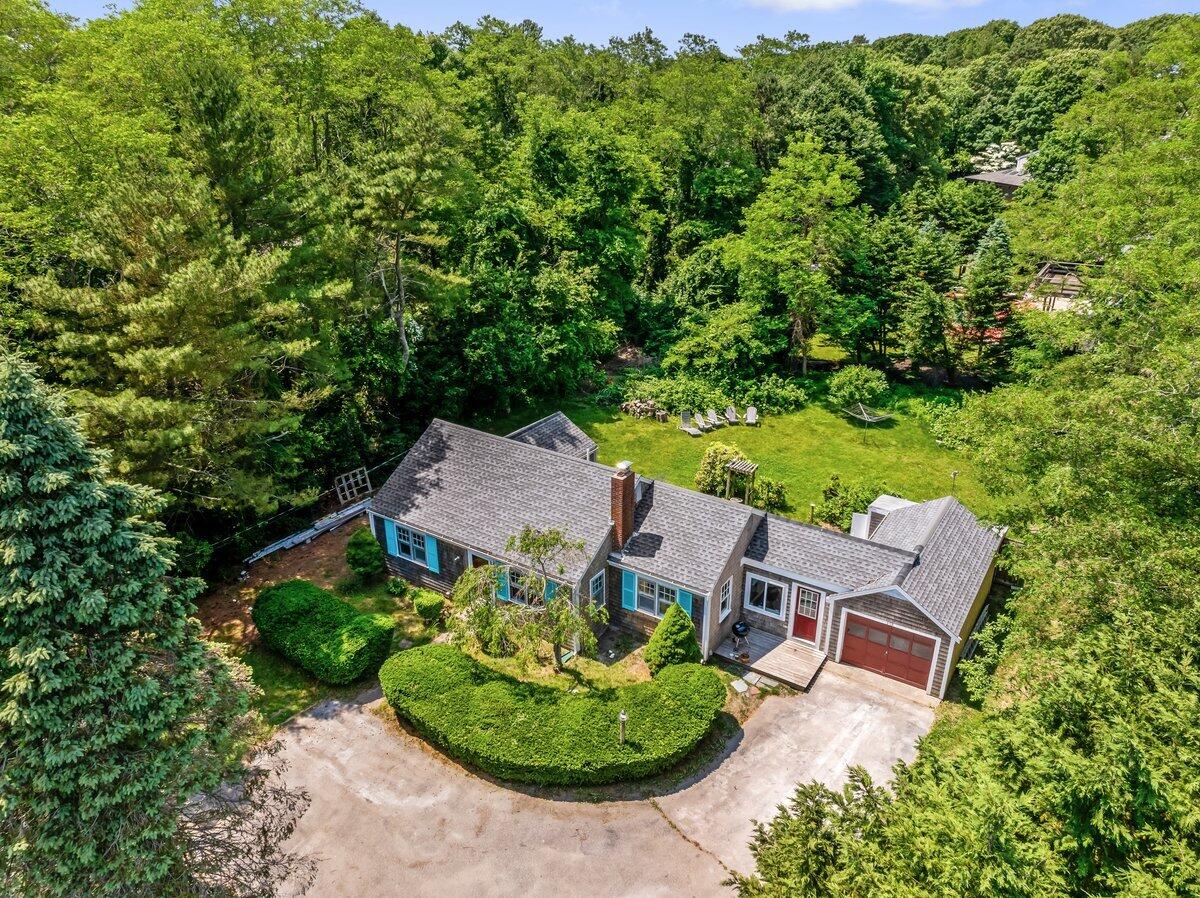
895	652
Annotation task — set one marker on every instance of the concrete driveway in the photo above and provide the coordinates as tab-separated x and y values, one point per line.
389	816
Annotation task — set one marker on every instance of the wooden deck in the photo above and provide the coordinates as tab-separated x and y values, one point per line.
785	660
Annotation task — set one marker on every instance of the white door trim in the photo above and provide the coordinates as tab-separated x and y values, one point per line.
821	603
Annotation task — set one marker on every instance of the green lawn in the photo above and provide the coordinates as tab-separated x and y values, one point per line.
288	689
801	449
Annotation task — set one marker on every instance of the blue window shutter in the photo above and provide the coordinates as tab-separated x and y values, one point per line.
502	588
629	590
431	555
389	528
685	601
550	590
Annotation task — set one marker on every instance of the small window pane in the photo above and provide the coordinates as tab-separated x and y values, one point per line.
922	650
774	598
646	596
597	588
757	589
899	643
807	602
857	630
877	636
666	598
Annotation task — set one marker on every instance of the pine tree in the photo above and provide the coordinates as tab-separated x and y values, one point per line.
988	283
114	714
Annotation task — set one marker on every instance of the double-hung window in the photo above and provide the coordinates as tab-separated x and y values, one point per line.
726	598
596	589
410	544
655	598
516	587
764	596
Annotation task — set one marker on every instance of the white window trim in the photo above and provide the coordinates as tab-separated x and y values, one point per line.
411	530
657	583
592	588
411	533
785	593
937	644
723	612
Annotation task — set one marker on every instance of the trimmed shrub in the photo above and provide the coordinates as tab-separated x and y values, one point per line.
364	555
840	500
428	605
318	631
396	586
538	734
673	641
772	394
771	495
681	393
856	383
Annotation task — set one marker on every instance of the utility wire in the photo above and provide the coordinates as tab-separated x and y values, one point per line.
228	539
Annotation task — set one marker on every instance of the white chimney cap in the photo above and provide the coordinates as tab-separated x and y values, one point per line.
624	466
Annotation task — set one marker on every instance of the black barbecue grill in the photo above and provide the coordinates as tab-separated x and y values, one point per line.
740	631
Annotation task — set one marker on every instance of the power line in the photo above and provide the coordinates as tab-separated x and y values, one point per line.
258	524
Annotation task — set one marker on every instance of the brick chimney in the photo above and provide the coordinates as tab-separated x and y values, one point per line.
623	481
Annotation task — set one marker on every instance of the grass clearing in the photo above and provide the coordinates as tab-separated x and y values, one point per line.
801	449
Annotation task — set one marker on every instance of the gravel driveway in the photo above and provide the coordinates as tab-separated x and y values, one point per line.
389	816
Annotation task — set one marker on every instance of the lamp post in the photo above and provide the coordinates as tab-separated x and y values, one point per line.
621	718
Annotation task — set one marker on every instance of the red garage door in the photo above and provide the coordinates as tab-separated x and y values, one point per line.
891	651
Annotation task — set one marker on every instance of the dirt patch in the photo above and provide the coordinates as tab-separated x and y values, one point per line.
225	611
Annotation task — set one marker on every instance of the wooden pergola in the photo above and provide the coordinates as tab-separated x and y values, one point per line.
743	468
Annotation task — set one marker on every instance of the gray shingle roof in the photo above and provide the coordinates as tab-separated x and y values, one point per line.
824	556
477	489
910	526
951	569
683	536
556	432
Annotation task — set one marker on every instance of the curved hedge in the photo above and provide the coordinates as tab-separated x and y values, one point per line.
327	637
538	734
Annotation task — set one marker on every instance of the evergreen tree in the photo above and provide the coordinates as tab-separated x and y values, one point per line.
114	714
673	641
925	322
988	282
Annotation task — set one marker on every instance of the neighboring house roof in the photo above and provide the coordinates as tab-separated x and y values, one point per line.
826	557
682	536
956	553
1009	178
477	489
558	433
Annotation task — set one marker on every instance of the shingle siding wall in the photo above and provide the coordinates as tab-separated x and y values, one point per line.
897	612
718	629
635	622
599	563
451	561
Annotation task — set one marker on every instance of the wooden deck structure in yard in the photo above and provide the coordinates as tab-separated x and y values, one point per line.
785	660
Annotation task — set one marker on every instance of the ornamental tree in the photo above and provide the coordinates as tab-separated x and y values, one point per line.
116	719
673	641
